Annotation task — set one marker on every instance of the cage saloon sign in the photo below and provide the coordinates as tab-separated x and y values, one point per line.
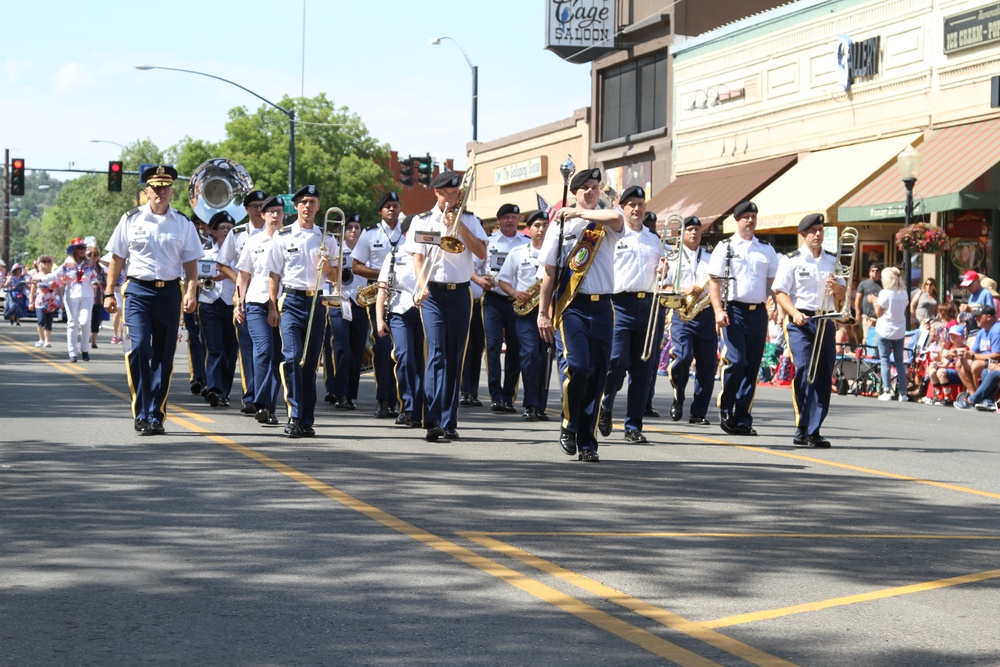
580	30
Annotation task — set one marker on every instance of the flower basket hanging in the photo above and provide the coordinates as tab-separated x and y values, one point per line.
922	237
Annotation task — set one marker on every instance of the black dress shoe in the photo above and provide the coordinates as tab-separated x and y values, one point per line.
393	412
197	387
156	427
497	406
728	425
820	440
307	431
403	419
434	433
416	423
676	410
142	427
349	405
635	437
451	434
529	415
590	456
816	441
567	440
509	407
224	402
650	412
475	402
381	410
700	421
542	417
261	416
249	409
213	398
292	429
604	422
745	429
331	398
464	401
272	420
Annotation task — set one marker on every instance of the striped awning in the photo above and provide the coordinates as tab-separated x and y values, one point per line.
952	159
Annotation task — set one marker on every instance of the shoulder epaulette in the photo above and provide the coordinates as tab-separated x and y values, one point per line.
763	241
792	253
239	230
285	230
831	254
425	215
131	212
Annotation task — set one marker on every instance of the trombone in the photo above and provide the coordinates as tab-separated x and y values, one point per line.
449	241
659	299
847	248
335	293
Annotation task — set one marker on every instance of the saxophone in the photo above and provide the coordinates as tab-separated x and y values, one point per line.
366	295
533	292
693	305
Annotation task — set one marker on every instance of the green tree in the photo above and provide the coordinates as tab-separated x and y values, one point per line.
333	151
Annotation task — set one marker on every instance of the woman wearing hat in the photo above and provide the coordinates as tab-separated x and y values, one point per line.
77	276
16	302
45	299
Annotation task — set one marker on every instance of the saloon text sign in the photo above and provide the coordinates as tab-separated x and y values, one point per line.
580	30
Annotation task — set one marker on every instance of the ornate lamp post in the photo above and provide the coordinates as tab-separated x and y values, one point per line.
909	167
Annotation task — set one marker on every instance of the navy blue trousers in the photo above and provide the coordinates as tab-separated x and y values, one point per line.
628	338
583	340
383	365
245	342
661	321
344	351
500	324
534	362
196	348
473	364
300	381
408	355
221	345
151	317
742	348
811	402
266	356
695	341
446	315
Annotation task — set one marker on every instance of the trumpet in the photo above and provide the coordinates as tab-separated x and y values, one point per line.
659	299
335	293
847	248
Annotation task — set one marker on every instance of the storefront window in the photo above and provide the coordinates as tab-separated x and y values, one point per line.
634	97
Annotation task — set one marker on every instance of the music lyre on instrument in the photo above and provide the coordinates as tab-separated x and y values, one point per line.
847	247
335	293
659	299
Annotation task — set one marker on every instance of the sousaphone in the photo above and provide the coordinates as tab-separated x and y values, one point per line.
218	185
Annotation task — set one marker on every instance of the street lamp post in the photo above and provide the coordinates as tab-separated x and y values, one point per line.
288	112
475	84
908	162
105	141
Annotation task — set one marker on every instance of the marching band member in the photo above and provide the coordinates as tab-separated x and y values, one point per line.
347	332
192	324
445	301
696	340
229	253
580	322
472	365
519	272
499	320
76	275
297	257
806	280
397	317
636	258
252	308
215	311
743	266
377	245
161	247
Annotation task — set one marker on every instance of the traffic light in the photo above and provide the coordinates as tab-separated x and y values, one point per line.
114	176
406	172
426	168
17	176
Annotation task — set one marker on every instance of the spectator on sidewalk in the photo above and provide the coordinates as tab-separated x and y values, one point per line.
985	347
890	307
923	306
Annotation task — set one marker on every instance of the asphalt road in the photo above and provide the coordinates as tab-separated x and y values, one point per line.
223	543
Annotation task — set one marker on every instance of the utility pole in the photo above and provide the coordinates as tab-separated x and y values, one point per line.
5	242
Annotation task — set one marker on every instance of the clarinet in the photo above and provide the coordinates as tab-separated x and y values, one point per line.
390	279
727	276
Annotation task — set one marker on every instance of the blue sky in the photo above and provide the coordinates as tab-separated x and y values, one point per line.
67	71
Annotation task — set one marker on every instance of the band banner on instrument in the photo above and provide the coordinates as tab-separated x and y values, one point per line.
580	261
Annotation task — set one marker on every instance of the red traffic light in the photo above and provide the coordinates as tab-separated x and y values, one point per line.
116	167
17	164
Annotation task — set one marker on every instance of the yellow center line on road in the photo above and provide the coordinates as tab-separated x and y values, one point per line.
602	620
656	533
666	618
851	599
834	464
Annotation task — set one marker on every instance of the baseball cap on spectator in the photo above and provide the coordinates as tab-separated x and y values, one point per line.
969	278
986	310
957	330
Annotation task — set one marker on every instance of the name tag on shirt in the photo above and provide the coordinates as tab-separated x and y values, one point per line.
433	238
497	260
